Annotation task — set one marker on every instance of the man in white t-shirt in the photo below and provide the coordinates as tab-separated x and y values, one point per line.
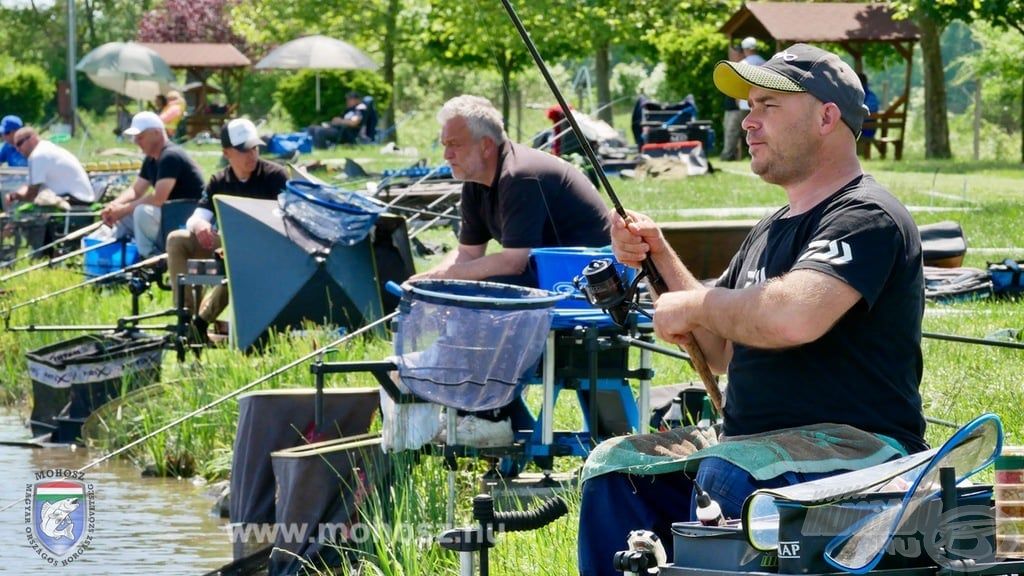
51	168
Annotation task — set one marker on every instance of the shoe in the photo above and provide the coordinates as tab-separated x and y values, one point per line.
196	333
477	432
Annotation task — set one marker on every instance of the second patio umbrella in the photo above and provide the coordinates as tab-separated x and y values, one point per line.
316	53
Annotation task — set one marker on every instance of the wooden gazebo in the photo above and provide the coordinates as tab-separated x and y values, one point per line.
202	61
849	25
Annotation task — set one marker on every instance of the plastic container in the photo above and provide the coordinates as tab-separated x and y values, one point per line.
331	214
805	533
110	258
557	267
700	547
1009	498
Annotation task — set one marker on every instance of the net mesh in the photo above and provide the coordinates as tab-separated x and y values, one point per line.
469	345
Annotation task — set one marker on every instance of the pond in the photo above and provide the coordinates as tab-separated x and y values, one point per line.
163	524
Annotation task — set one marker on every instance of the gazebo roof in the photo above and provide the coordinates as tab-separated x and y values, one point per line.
199	55
788	22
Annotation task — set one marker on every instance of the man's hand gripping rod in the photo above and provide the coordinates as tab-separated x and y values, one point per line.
654	279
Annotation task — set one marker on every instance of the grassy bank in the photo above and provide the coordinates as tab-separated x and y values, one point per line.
960	380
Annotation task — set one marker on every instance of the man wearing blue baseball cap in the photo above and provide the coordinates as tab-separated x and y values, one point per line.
816	321
8	151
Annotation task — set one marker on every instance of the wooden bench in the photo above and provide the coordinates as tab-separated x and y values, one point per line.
889	126
207	122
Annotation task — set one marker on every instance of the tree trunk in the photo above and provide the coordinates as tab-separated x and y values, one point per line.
936	124
390	40
604	93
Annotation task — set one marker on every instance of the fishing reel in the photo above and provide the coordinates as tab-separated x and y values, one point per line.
604	288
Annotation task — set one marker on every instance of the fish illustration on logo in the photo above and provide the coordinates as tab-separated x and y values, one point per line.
55	518
59	514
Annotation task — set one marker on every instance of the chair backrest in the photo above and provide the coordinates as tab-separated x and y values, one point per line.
173	215
370	122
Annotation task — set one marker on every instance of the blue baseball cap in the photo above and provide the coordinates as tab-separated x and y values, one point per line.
10	124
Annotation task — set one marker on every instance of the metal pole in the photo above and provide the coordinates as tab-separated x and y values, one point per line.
72	82
977	118
547	411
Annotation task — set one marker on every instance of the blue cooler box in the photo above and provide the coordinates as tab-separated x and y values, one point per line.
556	268
109	258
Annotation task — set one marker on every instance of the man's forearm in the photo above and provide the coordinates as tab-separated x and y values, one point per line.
675	274
498	264
788	311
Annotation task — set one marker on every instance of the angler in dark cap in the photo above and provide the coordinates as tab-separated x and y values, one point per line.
817	320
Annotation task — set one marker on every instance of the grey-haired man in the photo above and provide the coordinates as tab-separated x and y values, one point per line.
817	319
520	197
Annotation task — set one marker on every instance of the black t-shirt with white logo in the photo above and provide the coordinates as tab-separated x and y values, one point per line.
867	369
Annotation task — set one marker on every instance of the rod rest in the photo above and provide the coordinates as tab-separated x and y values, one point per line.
379	369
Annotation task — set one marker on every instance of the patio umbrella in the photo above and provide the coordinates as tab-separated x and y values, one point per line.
127	68
316	53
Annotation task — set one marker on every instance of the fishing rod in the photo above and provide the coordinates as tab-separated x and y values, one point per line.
427	226
231	395
25	217
412	186
970	340
58	259
6	314
66	238
654	280
419	212
124	324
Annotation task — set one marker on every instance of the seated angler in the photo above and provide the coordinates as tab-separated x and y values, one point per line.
55	176
167	170
8	151
817	320
344	129
520	197
246	175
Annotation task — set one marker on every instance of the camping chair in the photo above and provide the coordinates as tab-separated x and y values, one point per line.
173	215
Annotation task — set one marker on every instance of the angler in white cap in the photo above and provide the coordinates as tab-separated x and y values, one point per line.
167	173
816	321
246	175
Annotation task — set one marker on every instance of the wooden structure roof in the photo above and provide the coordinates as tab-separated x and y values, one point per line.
851	25
201	61
199	55
788	22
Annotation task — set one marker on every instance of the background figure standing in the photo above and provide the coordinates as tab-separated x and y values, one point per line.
733	120
749	55
870	124
172	110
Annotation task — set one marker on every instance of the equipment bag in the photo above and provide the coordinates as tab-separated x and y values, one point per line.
1006	277
331	214
288	143
956	284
